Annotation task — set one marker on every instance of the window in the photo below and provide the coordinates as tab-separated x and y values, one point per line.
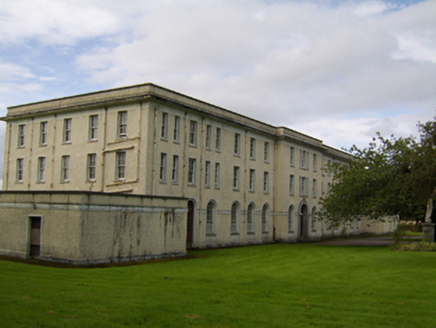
192	167
265	182
329	169
120	172
315	159
292	156
192	133
237	145
122	125
314	188
290	218
41	169
176	131
265	215
91	167
208	137
66	136
304	186
236	177
65	168
234	218
43	133
304	159
217	175
291	185
93	127
252	148
207	174
163	167
266	152
175	171
20	170
164	132
21	132
252	180
250	219
210	217
218	139
313	219
329	187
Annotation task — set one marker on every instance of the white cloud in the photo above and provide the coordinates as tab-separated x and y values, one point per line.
303	64
54	22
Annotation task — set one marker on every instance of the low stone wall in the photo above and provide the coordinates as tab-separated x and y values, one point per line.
84	228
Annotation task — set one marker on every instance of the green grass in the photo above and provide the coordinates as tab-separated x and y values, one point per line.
302	285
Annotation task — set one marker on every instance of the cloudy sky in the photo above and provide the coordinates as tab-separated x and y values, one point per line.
336	70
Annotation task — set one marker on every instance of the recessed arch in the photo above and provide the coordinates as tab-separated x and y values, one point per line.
265	217
192	206
234	217
251	217
291	218
211	217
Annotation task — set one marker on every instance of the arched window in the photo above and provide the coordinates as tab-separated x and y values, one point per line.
290	218
234	218
265	215
250	218
210	217
313	219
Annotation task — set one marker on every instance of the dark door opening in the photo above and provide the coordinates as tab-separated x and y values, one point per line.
303	220
190	224
35	236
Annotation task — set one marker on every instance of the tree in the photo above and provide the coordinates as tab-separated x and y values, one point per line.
392	177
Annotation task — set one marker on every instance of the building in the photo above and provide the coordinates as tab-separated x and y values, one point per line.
246	182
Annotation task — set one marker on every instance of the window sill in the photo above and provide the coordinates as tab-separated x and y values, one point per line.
192	146
210	234
40	182
265	232
237	155
42	145
234	234
93	140
162	182
252	191
251	233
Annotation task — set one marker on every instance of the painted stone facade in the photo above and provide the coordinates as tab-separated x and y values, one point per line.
247	182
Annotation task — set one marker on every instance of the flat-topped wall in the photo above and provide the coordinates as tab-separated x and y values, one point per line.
84	228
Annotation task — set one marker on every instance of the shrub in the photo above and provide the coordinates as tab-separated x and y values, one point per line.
415	247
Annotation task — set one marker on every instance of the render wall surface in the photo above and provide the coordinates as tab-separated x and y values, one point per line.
89	228
144	145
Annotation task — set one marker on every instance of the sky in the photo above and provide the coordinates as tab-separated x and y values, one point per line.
336	70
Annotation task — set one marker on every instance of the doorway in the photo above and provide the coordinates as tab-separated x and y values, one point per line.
35	237
190	224
303	220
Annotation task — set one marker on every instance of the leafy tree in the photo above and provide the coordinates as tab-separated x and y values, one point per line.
392	177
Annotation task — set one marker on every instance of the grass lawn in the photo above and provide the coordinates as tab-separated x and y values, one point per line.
302	285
